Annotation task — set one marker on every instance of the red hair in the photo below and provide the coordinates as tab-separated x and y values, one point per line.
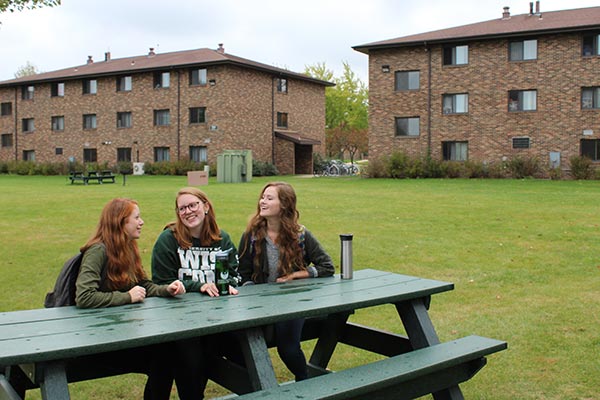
124	266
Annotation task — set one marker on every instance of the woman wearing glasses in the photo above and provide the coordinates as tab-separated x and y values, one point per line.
186	250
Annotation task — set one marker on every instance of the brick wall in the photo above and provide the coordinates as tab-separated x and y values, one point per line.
240	109
558	75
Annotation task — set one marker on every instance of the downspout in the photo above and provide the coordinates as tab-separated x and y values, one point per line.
428	101
178	115
15	128
273	121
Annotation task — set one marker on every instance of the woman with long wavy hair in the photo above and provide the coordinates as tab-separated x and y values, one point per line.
275	248
111	274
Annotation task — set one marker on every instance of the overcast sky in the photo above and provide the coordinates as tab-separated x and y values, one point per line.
284	33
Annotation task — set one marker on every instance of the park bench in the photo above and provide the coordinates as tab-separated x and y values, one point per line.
100	177
405	376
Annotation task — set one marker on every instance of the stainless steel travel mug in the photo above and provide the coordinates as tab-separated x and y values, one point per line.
346	256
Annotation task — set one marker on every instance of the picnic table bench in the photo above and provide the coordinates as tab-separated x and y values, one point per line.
98	176
48	348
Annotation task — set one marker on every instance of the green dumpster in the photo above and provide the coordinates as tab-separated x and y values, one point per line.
234	166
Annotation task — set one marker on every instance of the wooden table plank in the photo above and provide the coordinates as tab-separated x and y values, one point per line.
68	332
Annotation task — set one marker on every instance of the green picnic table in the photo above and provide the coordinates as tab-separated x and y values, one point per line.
45	347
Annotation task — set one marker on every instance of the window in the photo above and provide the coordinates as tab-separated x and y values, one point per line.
27	92
124	84
282	120
28	125
58	123
523	50
407	80
90	155
590	148
590	97
591	44
28	155
162	117
198	76
522	100
124	154
57	89
197	115
282	85
455	103
521	143
124	119
90	86
58	151
162	80
5	109
456	55
198	153
161	154
407	126
89	121
455	151
7	140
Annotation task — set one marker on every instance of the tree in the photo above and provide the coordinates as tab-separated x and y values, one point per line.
26	70
19	5
346	111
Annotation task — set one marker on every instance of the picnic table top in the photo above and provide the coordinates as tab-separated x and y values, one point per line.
57	333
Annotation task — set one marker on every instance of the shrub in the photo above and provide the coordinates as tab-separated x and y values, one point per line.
524	167
260	168
377	168
397	165
582	167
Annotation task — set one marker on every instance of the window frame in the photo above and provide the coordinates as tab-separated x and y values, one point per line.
198	77
6	109
57	123
521	51
200	151
595	143
520	101
397	82
451	152
162	117
89	86
594	100
159	80
450	55
28	155
197	115
90	122
6	140
28	125
124	154
282	85
410	121
124	83
90	155
592	47
282	120
162	153
453	98
27	92
57	89
124	119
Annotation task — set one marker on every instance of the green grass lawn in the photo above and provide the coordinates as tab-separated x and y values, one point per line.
523	255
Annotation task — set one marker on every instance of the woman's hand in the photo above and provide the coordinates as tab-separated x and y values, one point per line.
292	276
175	288
210	289
137	294
233	290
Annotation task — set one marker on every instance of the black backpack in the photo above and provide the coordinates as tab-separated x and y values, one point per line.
64	288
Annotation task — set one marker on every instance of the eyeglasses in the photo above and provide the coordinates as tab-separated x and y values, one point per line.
192	207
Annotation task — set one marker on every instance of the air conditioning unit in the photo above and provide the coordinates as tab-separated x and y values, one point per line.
138	168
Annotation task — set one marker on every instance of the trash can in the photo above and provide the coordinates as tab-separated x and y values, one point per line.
234	166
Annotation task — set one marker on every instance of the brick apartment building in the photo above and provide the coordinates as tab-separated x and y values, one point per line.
525	85
156	107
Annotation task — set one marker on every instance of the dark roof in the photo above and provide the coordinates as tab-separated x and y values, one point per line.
516	25
295	137
151	61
